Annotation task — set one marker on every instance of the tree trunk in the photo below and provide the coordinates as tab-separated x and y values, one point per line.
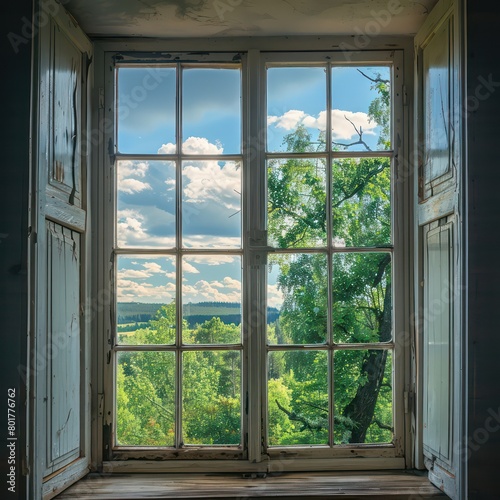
362	407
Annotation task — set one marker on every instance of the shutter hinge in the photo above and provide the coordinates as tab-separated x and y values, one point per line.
406	401
100	404
405	96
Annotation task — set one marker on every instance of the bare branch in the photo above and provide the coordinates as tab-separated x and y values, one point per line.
360	134
374	80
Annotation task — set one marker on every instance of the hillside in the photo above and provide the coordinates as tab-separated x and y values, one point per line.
228	312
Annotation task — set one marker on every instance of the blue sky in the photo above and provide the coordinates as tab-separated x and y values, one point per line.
211	190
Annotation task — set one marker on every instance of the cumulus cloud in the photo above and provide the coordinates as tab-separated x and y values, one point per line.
131	291
213	260
152	267
342	129
132	227
131	186
193	145
213	290
208	181
128	173
133	273
189	268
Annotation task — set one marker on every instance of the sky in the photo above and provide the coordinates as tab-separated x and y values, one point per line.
211	189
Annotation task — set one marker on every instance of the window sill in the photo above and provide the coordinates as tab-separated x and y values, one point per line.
393	485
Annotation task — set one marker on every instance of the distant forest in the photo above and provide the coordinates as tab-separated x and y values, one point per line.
132	315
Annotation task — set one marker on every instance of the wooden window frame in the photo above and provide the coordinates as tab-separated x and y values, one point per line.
393	456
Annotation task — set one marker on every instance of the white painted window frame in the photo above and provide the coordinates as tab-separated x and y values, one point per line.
397	455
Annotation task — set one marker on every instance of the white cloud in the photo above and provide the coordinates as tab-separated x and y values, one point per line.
131	291
133	273
231	283
152	267
288	120
127	173
132	227
274	296
171	275
131	186
208	181
202	240
342	128
188	268
213	290
213	260
193	145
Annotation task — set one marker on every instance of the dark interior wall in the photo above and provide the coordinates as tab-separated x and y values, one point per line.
15	43
483	94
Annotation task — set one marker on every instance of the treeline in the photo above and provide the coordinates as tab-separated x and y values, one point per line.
132	314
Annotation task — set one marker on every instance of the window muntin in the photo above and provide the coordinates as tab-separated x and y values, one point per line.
325	157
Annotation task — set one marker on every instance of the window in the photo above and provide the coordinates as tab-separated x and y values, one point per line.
257	274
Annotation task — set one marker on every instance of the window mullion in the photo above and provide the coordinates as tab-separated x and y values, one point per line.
254	189
329	236
178	268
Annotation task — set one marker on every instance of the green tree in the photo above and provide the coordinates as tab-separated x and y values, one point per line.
362	307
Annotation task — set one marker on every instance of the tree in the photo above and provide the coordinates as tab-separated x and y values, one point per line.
362	308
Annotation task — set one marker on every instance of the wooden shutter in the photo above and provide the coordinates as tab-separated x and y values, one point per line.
60	386
439	236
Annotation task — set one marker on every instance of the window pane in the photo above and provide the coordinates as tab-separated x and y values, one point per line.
145	309
297	398
211	397
211	111
362	299
145	393
145	204
363	396
297	298
296	109
146	109
361	108
296	203
361	202
211	297
211	208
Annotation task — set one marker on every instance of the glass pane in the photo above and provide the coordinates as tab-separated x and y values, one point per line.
145	393
145	204
145	309
297	398
211	298
211	208
146	109
211	111
362	299
296	213
297	298
361	108
363	396
361	202
296	109
211	397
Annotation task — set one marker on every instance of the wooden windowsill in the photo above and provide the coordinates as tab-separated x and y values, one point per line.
393	485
